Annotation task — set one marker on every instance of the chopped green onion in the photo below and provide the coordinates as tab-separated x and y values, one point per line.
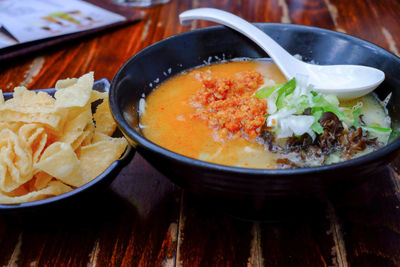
317	114
336	111
376	128
285	90
302	104
289	111
279	101
317	128
317	109
356	117
327	106
289	87
266	91
356	123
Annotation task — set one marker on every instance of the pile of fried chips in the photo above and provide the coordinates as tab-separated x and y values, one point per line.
49	146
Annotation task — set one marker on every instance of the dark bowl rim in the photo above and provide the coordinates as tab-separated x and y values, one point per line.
142	141
125	157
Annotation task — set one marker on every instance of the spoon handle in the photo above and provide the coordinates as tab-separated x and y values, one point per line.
279	55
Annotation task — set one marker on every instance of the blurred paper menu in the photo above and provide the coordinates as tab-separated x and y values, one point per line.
30	20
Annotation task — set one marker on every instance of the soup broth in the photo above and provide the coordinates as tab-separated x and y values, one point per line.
183	116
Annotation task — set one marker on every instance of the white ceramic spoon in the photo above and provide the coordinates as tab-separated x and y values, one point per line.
345	81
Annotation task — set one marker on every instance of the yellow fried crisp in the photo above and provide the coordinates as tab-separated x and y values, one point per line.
35	138
60	161
15	161
103	153
54	188
49	146
74	93
104	121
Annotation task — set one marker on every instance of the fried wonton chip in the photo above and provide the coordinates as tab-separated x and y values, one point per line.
60	161
77	94
19	191
85	138
13	126
53	120
105	123
41	180
75	126
15	161
35	138
29	107
53	189
95	158
96	95
61	84
30	102
97	137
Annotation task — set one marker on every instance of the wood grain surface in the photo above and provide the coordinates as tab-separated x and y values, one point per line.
142	219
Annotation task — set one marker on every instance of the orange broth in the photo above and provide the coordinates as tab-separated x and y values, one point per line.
169	119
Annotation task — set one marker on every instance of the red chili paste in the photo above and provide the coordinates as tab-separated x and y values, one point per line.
229	105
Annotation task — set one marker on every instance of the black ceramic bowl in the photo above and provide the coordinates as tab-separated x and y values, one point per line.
144	71
82	193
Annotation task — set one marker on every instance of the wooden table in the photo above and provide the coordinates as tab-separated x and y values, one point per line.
145	220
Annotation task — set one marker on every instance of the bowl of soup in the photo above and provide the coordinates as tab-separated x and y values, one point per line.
212	112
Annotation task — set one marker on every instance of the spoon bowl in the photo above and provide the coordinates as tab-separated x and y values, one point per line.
345	81
242	188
